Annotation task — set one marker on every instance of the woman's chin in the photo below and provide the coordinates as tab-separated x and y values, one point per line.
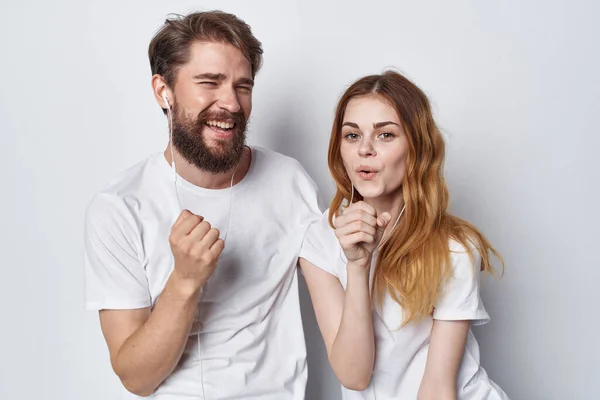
370	194
376	194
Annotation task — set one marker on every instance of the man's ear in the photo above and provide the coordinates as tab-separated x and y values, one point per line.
162	93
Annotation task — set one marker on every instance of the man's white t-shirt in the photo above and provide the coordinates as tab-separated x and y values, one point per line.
401	354
251	343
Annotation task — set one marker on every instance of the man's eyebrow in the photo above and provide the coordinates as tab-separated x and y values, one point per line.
211	76
245	81
221	77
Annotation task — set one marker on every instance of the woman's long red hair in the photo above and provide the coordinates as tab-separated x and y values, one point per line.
414	263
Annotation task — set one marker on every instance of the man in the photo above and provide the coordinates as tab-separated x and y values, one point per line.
203	303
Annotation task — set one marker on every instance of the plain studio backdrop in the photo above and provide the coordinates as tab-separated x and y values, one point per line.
514	86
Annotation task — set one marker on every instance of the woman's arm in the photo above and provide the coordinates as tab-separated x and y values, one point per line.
446	348
345	317
345	321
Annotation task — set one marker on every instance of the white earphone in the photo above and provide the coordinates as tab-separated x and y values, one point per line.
173	167
164	96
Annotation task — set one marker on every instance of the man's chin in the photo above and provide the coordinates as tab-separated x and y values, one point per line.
219	148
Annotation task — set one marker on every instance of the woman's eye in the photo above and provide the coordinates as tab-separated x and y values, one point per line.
386	135
351	136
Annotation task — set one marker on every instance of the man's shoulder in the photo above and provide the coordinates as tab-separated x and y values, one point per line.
274	157
274	164
124	189
131	179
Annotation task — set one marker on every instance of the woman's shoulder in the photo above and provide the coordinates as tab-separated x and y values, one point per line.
462	248
465	259
320	228
321	247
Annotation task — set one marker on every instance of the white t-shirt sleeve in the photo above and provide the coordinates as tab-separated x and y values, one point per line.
114	275
460	298
318	246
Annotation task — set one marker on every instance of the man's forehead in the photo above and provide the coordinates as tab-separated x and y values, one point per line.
214	57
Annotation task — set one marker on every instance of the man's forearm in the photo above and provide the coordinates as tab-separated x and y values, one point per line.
150	354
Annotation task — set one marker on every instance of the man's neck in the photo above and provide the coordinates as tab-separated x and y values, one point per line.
206	179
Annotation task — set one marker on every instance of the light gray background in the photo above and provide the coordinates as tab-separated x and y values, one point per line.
515	88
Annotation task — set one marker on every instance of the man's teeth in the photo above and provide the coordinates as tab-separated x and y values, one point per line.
219	124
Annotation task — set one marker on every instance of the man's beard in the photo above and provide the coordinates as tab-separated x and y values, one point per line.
189	141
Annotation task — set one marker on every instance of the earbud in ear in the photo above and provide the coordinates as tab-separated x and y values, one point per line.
164	96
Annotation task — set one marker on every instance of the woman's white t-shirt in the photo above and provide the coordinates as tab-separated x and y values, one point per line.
401	354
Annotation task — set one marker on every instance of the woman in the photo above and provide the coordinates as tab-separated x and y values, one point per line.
393	277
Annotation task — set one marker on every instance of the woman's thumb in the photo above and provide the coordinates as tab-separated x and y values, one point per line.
383	220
